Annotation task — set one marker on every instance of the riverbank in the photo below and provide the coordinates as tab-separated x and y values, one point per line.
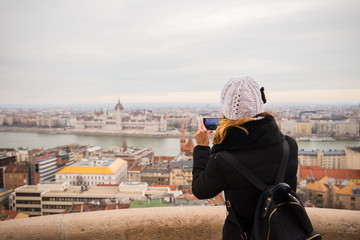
168	134
162	146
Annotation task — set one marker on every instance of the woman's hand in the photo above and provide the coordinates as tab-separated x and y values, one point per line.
202	136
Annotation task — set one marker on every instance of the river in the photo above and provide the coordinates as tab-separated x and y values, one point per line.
161	146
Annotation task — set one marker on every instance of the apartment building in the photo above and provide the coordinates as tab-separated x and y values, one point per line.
308	158
22	155
325	127
7	156
348	129
332	159
17	175
320	127
44	168
156	174
181	173
134	155
288	127
47	163
352	157
321	193
303	128
55	198
134	173
129	154
336	128
324	193
94	171
349	197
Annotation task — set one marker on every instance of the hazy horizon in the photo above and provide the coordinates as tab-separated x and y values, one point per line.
93	52
131	106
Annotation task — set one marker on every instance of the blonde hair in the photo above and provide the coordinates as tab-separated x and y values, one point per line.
225	124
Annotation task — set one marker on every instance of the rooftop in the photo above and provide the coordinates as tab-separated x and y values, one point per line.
334	152
94	166
318	185
124	190
316	173
17	168
348	189
183	165
304	152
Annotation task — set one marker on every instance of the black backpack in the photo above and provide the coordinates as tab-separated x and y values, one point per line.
279	213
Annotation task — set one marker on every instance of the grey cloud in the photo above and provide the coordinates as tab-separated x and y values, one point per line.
91	48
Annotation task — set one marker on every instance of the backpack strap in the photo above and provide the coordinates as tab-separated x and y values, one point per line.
283	164
234	220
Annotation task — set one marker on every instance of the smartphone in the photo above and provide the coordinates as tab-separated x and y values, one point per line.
211	123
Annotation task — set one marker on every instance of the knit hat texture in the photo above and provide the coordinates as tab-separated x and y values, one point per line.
241	97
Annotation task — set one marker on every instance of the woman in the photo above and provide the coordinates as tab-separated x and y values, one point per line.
254	138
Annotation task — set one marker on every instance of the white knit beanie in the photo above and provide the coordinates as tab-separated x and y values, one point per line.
241	97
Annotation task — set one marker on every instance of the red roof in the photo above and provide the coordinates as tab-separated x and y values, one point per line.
353	174
10	214
309	167
317	173
17	168
46	155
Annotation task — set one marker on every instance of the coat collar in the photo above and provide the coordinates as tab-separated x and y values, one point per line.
262	132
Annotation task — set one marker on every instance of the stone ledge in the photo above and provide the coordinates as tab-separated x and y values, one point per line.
203	222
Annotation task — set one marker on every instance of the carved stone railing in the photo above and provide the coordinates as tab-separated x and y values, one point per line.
203	222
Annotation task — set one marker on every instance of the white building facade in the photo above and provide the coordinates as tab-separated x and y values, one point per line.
119	121
94	171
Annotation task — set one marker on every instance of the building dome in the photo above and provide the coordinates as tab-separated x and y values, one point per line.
119	106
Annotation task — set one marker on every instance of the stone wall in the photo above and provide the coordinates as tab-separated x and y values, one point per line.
203	222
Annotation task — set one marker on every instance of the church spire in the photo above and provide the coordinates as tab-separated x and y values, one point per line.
182	137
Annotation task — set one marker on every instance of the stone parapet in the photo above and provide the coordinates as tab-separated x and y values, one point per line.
196	222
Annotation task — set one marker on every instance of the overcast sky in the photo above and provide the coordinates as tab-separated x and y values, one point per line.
75	52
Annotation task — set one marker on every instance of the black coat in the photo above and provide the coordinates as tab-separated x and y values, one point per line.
260	151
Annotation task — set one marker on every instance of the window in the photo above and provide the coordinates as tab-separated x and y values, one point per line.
352	198
28	194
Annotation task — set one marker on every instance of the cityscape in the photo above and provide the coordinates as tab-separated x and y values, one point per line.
65	178
100	102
